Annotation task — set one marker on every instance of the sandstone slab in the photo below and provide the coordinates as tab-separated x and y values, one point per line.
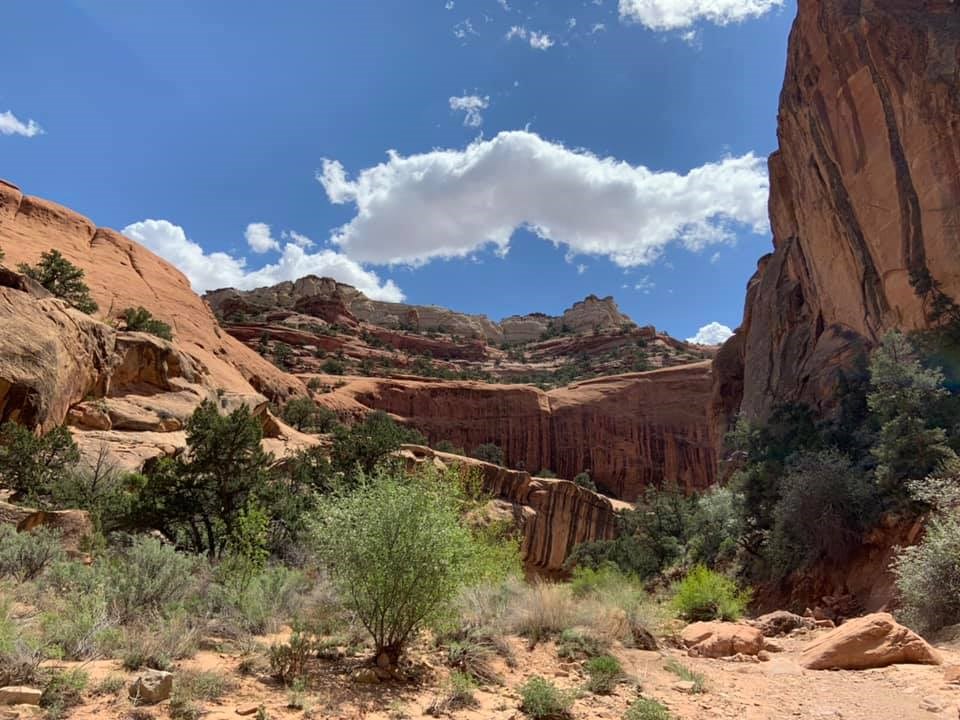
721	639
871	641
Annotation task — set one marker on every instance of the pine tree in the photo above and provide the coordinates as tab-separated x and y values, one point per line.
63	279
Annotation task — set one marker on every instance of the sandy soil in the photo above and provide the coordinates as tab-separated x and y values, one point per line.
778	689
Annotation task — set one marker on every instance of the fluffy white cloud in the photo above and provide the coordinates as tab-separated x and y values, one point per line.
297	239
676	14
712	334
450	203
471	105
537	40
259	238
10	124
217	270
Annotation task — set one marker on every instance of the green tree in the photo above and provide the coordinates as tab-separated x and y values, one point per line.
901	397
488	452
300	412
30	464
282	355
198	502
398	555
585	481
367	443
141	320
63	279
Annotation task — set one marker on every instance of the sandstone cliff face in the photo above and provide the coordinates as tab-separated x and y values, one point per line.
865	194
123	274
553	516
628	430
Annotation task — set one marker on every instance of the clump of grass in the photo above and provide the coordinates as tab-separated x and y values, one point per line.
646	709
297	695
684	673
604	673
707	595
63	691
159	646
574	644
542	700
457	694
110	685
193	687
473	656
544	610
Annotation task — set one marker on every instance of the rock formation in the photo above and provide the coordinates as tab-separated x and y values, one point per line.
630	431
871	641
123	274
864	199
553	516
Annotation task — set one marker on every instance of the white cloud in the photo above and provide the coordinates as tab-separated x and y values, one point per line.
504	5
714	258
581	269
572	23
676	14
464	28
471	105
597	27
297	239
451	203
10	124
712	334
645	285
218	269
448	5
259	238
537	40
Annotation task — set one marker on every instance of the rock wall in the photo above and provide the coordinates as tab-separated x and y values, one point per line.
630	431
553	516
123	274
864	196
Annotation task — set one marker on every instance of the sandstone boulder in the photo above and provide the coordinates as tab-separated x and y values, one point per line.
151	687
871	641
19	695
74	526
721	639
781	622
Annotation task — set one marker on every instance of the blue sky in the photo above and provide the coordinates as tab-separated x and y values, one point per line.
491	156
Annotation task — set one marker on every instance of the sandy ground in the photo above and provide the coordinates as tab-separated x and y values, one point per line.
770	690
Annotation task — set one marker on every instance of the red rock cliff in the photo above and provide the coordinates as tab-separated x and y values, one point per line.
864	196
628	430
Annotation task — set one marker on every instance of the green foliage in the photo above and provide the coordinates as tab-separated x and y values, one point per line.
542	700
305	415
368	443
457	693
646	709
684	673
398	555
198	503
81	627
141	320
282	355
604	672
146	577
26	555
488	452
20	656
584	480
288	661
546	473
257	601
472	655
61	278
29	464
63	691
448	447
192	686
707	595
825	505
902	393
333	366
573	644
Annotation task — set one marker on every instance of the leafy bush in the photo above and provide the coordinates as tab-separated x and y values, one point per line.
473	655
542	611
541	699
81	627
457	693
707	595
288	661
63	691
488	452
646	709
573	644
141	320
369	442
62	279
192	686
20	656
159	645
259	602
398	555
30	464
147	577
604	673
333	367
685	673
585	481
26	555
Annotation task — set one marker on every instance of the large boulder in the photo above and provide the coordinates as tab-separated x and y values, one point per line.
721	639
871	641
781	622
151	687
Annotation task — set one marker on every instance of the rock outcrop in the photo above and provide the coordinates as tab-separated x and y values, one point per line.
721	639
629	431
123	274
553	516
864	200
870	641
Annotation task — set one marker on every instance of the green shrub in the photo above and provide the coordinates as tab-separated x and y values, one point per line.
192	687
61	278
262	602
333	367
542	699
685	673
707	595
141	320
30	464
20	656
147	577
398	555
63	691
646	709
81	627
457	693
473	655
288	661
584	480
573	644
488	452
604	673
26	555
172	638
